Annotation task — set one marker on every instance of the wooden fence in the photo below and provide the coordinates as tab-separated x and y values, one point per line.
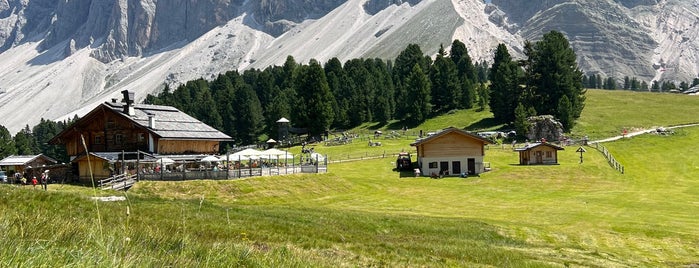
610	158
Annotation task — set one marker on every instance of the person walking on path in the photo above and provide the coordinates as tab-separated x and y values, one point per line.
34	182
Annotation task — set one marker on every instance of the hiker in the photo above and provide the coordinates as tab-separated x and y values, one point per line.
34	182
23	181
45	180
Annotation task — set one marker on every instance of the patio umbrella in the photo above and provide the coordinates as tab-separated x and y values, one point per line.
165	161
210	158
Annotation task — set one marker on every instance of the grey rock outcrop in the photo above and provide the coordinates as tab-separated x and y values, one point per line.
544	127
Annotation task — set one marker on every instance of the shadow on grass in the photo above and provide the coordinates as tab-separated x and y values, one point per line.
377	125
405	173
485	123
400	124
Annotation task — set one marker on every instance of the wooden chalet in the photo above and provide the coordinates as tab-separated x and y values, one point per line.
32	165
127	132
540	153
451	151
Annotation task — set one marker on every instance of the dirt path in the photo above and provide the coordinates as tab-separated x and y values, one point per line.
644	131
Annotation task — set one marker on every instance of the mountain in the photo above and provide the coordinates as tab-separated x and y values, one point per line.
61	58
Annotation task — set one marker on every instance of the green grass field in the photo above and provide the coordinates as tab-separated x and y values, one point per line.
363	213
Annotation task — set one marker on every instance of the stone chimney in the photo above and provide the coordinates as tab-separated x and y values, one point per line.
128	102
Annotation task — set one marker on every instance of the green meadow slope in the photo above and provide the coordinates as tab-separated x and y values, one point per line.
362	213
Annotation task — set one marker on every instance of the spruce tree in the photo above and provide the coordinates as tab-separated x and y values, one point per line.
402	69
555	74
446	92
504	84
7	144
313	108
418	95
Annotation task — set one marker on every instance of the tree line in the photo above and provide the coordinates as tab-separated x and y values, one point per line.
332	95
335	95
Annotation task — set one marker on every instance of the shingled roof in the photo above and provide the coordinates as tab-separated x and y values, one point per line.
170	123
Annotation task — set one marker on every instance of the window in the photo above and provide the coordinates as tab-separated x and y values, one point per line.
118	139
110	123
549	154
433	165
98	139
141	137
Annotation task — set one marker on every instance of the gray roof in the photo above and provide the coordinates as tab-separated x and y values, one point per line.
537	144
20	160
170	123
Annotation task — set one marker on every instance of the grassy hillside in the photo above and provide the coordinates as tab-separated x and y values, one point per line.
365	214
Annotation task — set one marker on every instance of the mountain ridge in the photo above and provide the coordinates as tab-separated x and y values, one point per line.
62	58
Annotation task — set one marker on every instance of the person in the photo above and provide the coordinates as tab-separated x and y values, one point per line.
45	180
18	177
23	181
34	182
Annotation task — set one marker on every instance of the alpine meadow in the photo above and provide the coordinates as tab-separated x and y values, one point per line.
349	133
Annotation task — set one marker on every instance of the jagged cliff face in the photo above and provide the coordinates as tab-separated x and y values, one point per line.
128	28
649	39
59	58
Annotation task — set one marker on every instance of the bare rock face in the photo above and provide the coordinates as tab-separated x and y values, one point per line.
614	38
544	127
374	6
122	28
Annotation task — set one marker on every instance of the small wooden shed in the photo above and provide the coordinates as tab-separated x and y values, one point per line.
540	153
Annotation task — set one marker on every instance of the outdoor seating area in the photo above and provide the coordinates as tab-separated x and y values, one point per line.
245	163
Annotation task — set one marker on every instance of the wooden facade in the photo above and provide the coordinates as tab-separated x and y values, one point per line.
28	165
451	152
127	127
539	154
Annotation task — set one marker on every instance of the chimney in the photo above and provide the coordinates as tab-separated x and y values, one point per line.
151	121
128	102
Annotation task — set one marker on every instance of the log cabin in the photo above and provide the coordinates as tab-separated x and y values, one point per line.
120	131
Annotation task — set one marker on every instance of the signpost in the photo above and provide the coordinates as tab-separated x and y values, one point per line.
581	150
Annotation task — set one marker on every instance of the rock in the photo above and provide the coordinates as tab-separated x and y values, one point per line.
546	127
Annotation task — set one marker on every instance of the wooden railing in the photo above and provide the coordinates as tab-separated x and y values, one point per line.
118	182
610	158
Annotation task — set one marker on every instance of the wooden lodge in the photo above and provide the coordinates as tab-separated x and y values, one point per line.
126	133
451	152
27	165
540	153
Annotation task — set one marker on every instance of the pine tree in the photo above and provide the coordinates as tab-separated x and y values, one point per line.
313	108
446	92
7	143
467	74
483	96
555	75
627	83
337	79
249	121
504	84
402	69
45	131
565	113
25	142
521	124
418	95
